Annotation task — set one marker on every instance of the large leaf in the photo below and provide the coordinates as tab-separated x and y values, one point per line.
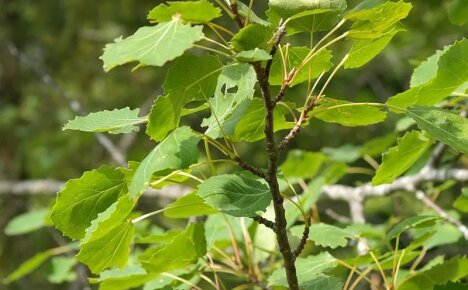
364	50
191	78
398	159
452	72
427	70
451	270
27	222
81	200
178	151
183	250
308	269
251	127
240	194
200	11
188	205
295	56
302	164
252	36
347	113
152	45
232	98
447	127
116	121
109	250
376	21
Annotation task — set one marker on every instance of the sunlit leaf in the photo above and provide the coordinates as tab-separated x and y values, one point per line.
256	54
61	270
27	222
409	223
195	12
189	205
462	201
325	235
302	164
252	36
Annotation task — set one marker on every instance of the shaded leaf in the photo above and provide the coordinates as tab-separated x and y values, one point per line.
302	164
452	72
409	223
256	54
241	194
252	36
188	205
398	159
191	78
248	13
378	145
27	222
457	11
116	121
195	12
109	250
325	235
178	151
183	250
447	127
347	153
61	270
347	113
81	200
462	201
29	266
232	98
152	45
218	229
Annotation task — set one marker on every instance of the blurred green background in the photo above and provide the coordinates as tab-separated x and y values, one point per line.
49	54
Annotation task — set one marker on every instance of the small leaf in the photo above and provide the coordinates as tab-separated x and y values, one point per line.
109	250
252	36
195	12
295	56
461	203
365	50
152	45
116	121
376	21
29	266
232	98
189	205
302	164
253	55
447	127
457	11
398	159
27	222
378	145
308	269
452	72
240	194
427	70
347	113
130	277
191	78
347	153
178	151
61	270
251	127
325	235
246	12
183	250
218	229
409	223
81	200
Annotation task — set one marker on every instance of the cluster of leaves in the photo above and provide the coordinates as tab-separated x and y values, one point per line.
126	251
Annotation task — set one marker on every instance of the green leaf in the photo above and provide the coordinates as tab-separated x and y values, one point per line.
195	12
253	55
61	270
447	127
347	153
27	222
81	200
364	50
252	36
115	122
295	56
302	164
457	11
461	203
130	277
241	194
427	70
308	269
191	78
246	12
189	205
178	151
452	72
325	235
183	250
232	98
347	113
451	270
109	250
398	159
378	145
409	223
376	21
29	266
440	234
152	45
218	229
251	127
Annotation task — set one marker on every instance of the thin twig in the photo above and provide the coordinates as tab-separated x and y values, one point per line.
257	171
305	236
265	222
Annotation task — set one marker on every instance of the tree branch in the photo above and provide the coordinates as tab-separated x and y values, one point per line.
247	166
265	222
305	236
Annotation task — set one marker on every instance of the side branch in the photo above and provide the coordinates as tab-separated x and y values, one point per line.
248	167
265	222
305	236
